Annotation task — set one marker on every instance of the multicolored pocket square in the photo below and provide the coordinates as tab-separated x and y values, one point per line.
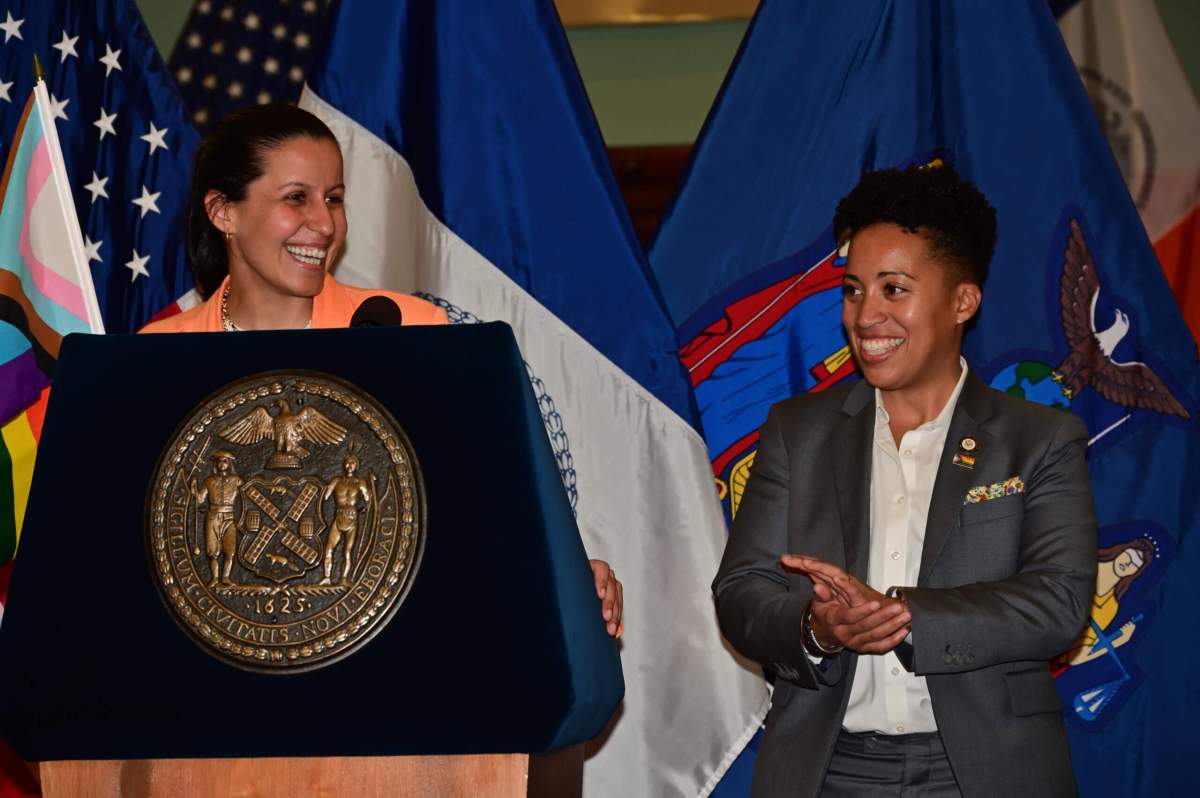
996	490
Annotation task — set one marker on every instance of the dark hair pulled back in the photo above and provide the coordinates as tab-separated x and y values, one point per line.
229	159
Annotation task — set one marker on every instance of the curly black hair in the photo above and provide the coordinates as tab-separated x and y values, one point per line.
954	217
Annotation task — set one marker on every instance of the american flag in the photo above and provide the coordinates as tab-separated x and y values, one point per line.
232	54
125	137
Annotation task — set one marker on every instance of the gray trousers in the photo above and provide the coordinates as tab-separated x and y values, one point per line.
889	766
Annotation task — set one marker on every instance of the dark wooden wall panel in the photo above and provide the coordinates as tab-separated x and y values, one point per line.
648	177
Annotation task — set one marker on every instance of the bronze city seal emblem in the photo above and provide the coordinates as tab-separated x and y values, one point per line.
286	521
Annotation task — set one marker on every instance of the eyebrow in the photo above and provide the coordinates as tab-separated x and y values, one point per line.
302	184
854	278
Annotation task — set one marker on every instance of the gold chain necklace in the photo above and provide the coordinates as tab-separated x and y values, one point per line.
227	323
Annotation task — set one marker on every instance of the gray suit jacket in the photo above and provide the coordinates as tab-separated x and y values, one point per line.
1004	586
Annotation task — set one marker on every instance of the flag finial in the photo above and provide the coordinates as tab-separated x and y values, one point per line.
39	75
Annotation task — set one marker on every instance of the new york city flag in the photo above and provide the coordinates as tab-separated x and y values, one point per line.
475	174
748	267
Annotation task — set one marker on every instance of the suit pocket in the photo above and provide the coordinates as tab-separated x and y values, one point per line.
992	509
1032	691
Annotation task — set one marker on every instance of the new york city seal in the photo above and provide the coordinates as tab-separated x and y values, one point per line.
286	521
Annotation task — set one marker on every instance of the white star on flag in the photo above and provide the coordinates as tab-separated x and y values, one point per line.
148	202
58	108
92	249
137	265
105	123
96	187
108	82
110	60
66	47
155	139
11	27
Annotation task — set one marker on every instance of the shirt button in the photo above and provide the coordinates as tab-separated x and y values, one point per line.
899	500
900	727
895	555
908	452
895	671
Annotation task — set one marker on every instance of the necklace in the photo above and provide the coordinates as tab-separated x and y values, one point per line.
227	323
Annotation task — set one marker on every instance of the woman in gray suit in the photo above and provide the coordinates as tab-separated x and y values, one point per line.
909	623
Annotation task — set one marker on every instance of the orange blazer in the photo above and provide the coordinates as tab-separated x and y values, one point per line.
333	307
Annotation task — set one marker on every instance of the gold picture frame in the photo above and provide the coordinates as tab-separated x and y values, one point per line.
627	12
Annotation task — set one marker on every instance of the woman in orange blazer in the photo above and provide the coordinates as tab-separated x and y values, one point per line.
266	219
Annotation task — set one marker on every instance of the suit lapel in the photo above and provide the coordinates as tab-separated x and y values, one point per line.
852	476
952	482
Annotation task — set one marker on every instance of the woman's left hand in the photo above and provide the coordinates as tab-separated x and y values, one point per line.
612	595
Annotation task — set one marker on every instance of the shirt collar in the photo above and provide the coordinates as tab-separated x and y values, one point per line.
942	420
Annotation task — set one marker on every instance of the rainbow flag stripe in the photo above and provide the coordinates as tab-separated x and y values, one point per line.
21	372
18	450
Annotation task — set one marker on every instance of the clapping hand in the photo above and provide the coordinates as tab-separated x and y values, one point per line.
847	612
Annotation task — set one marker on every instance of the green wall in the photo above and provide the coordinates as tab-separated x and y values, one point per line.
654	84
165	19
1182	18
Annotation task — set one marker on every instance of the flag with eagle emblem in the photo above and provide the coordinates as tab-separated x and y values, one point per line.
1076	311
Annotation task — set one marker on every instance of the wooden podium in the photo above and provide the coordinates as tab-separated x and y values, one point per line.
498	775
459	694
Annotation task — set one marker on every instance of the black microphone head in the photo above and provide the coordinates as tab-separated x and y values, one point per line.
377	311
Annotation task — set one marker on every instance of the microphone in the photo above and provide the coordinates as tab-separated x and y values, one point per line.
377	311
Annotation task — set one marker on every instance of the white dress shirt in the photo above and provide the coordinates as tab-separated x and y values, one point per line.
885	697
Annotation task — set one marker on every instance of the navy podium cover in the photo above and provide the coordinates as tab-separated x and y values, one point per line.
499	646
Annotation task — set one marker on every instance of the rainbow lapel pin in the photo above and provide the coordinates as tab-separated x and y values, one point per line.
965	456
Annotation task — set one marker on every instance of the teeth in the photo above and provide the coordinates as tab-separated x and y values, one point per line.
313	256
877	346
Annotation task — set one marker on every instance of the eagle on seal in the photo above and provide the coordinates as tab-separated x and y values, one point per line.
287	429
1090	362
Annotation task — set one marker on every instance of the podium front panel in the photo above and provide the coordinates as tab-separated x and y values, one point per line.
498	647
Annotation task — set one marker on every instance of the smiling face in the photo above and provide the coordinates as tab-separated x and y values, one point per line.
903	310
292	223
